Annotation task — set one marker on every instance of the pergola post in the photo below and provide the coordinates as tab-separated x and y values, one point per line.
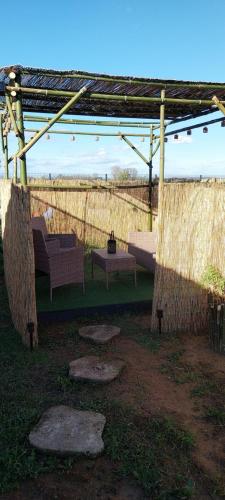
150	177
6	157
162	143
4	141
20	126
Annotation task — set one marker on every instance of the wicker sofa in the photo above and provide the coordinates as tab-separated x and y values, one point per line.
142	244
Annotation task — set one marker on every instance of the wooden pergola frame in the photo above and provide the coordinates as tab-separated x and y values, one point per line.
185	100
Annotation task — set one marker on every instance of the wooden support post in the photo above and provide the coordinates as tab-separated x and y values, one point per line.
218	104
20	126
114	97
162	144
6	157
135	149
11	114
53	120
150	178
4	142
15	170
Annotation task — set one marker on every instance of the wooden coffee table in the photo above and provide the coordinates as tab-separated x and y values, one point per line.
111	262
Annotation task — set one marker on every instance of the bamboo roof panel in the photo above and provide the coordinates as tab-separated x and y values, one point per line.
73	81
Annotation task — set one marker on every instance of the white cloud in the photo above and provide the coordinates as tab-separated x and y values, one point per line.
182	139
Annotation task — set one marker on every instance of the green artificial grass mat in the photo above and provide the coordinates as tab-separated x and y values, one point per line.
121	290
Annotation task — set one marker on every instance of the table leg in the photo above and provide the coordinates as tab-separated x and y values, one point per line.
107	280
92	268
135	278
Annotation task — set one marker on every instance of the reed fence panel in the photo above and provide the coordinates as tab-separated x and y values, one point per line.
191	224
18	258
92	213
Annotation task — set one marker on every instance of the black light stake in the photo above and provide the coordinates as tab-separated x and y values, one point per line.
159	313
30	329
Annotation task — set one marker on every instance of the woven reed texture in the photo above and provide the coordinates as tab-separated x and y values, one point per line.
93	213
126	86
19	258
190	237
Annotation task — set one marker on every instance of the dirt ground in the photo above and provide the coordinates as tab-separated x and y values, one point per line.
159	382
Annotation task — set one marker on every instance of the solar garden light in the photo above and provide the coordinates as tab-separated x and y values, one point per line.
159	313
30	329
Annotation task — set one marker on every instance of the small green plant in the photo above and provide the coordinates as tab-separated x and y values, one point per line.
213	281
203	389
216	414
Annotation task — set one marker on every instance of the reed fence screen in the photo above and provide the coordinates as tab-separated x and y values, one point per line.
19	268
93	213
191	237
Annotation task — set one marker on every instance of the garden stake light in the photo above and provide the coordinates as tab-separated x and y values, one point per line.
159	313
30	329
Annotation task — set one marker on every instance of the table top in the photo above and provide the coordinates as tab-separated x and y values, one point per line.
120	254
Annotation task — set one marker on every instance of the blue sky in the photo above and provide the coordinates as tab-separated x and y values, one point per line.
167	39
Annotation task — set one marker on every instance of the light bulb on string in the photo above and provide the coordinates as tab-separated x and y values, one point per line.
176	137
97	138
205	130
47	137
223	123
73	138
189	132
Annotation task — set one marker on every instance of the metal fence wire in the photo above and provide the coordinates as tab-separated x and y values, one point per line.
217	327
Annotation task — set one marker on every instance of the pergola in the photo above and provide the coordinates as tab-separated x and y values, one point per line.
155	104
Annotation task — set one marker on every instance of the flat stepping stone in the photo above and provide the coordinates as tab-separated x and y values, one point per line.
93	369
99	334
65	431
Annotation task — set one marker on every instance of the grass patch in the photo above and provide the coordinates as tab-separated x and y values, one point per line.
180	373
203	389
216	415
136	443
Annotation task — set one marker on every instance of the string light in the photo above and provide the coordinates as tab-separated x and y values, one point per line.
165	139
223	123
176	137
97	138
189	132
73	138
205	130
47	137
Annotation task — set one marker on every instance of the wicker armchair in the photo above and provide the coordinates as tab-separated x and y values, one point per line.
66	240
142	244
64	265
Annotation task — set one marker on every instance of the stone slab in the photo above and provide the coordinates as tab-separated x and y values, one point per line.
65	431
93	369
99	334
